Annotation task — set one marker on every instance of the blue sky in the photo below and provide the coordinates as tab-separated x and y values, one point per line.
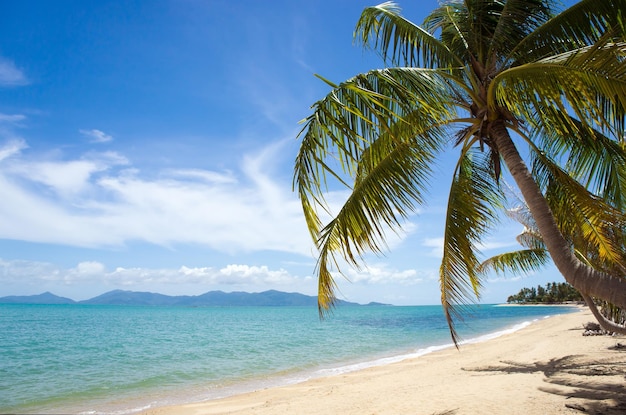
149	146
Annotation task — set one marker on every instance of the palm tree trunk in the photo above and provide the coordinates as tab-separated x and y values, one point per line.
605	323
584	278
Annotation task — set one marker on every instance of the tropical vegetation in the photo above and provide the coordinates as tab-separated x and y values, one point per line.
534	255
553	292
516	88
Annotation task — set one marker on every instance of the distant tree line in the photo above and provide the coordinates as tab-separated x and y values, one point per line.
552	293
563	292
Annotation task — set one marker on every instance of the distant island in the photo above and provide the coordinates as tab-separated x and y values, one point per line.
211	298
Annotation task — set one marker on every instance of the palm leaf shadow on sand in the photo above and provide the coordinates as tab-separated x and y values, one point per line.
592	386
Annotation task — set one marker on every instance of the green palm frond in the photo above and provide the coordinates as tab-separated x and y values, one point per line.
592	82
401	41
450	21
589	255
484	30
578	26
597	161
471	210
376	135
517	262
531	239
579	212
354	115
537	255
517	20
392	178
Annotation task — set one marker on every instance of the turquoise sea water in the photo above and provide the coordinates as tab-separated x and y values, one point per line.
117	360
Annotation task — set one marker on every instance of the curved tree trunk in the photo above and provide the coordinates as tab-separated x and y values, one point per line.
584	278
604	322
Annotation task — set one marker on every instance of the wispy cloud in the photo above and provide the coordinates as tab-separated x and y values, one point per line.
11	75
505	241
11	148
383	274
101	199
66	178
513	278
11	118
203	175
436	245
9	124
97	136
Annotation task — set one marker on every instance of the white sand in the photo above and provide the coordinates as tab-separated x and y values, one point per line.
546	368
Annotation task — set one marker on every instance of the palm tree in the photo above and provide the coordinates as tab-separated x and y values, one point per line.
535	255
485	77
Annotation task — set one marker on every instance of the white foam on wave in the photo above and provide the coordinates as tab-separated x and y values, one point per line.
418	353
113	411
496	334
379	362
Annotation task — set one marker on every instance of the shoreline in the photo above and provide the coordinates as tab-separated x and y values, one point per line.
571	304
295	377
528	371
198	372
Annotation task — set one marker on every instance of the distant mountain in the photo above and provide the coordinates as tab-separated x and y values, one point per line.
121	297
266	298
211	298
45	298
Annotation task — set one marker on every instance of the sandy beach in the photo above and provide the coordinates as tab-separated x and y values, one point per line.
548	367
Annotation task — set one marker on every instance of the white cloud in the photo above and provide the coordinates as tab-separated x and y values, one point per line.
437	246
19	271
383	274
10	75
90	268
203	175
514	278
255	274
12	148
92	201
507	242
64	178
11	118
96	136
